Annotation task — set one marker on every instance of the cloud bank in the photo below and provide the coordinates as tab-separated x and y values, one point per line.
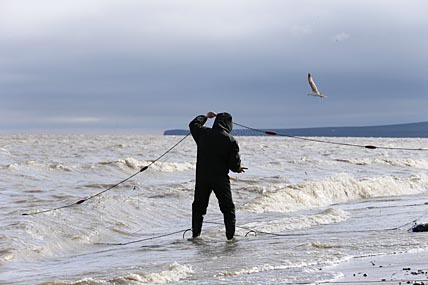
153	65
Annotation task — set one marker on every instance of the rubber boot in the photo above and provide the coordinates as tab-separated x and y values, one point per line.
230	227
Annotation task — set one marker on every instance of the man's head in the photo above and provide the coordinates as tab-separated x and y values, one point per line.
223	121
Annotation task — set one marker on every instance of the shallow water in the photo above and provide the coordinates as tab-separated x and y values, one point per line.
312	204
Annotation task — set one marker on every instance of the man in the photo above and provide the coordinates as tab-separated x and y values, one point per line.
218	152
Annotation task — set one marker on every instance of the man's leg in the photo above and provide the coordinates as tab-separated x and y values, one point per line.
199	207
225	201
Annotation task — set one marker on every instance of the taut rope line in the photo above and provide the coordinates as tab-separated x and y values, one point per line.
272	133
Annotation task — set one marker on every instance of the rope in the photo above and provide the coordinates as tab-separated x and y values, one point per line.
255	231
146	239
111	187
272	133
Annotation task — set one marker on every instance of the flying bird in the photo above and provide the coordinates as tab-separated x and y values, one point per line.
314	88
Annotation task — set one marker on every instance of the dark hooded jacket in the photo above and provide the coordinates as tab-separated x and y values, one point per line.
218	151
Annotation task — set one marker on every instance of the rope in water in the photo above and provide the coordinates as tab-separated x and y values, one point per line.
250	231
146	239
111	187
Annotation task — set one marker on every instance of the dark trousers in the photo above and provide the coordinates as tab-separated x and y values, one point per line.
221	188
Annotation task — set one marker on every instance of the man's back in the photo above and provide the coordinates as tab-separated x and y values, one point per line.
217	149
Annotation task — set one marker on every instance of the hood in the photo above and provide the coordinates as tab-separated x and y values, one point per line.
223	121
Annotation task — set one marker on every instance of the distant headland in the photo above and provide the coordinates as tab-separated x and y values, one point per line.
410	130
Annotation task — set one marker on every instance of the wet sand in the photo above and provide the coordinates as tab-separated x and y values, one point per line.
400	268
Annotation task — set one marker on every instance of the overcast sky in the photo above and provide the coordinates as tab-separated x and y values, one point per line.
148	66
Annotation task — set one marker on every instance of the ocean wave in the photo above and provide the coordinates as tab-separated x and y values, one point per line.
264	268
174	273
418	164
6	254
12	166
340	188
35	165
109	218
160	166
262	189
317	244
59	166
328	216
173	167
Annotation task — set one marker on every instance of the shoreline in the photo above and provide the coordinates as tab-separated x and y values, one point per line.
399	268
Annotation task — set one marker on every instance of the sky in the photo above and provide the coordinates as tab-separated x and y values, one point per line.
145	66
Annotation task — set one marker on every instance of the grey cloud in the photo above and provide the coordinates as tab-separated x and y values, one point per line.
150	61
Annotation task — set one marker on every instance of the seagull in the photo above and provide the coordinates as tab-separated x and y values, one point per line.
314	88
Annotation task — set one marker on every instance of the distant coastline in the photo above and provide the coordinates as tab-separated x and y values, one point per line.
410	130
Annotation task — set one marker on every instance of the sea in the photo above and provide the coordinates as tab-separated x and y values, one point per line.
303	207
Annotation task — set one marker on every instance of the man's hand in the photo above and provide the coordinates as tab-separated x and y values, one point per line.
211	115
242	169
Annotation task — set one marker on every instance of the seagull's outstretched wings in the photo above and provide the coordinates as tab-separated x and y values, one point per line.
314	88
312	84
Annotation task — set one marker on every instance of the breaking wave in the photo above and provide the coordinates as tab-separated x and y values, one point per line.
160	166
328	216
418	164
35	165
337	189
3	150
263	268
174	273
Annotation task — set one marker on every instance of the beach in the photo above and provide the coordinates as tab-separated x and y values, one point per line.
399	268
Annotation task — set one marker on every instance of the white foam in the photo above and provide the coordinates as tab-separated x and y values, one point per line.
328	216
158	166
264	268
173	166
38	166
174	273
405	162
59	166
2	149
337	189
12	166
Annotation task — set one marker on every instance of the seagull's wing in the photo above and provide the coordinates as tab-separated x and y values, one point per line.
312	84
